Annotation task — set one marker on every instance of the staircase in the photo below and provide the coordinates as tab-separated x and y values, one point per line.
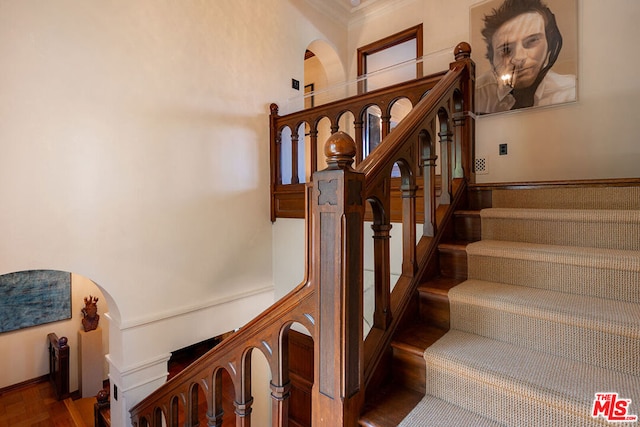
473	376
425	322
549	316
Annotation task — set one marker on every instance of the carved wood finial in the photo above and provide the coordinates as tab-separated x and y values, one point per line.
462	51
274	109
340	150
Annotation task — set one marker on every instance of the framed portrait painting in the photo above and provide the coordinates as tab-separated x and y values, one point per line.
526	53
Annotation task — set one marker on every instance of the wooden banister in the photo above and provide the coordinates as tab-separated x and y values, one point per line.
329	302
59	365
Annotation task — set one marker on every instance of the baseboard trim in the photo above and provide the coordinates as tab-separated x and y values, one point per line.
24	384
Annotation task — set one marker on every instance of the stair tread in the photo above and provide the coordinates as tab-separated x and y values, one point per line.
439	285
467	212
434	412
614	229
580	215
454	245
545	378
390	406
612	316
416	337
618	258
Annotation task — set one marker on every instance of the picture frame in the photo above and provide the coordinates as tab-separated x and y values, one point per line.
513	75
34	297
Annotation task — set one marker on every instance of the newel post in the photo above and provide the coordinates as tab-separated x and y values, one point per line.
275	156
337	215
464	120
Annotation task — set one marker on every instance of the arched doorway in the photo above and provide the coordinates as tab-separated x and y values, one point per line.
28	357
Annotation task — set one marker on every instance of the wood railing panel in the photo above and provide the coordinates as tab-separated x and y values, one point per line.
413	90
329	302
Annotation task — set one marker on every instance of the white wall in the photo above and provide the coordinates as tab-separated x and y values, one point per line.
135	153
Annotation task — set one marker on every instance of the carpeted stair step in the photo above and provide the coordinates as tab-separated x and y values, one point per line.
565	197
613	229
434	412
612	274
597	331
516	386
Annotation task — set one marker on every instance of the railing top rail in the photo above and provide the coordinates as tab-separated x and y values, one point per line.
364	99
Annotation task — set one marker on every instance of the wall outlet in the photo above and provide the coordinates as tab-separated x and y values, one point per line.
502	149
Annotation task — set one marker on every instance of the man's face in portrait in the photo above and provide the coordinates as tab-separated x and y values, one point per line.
520	47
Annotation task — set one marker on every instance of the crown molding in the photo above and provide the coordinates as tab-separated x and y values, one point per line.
373	8
338	10
346	14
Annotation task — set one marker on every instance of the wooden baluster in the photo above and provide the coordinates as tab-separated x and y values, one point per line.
386	125
294	157
280	382
191	414
243	413
174	412
445	165
280	404
214	409
244	399
409	264
357	124
313	140
429	175
158	419
382	279
458	126
338	216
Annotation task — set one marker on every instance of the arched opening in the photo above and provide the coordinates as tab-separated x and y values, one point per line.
323	69
29	356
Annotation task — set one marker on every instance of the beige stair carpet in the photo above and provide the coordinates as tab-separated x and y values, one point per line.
549	317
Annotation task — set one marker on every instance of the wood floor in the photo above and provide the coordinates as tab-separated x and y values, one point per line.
33	405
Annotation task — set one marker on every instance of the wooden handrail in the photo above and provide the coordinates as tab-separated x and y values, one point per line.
59	365
329	301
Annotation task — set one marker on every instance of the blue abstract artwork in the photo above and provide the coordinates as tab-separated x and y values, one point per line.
34	297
